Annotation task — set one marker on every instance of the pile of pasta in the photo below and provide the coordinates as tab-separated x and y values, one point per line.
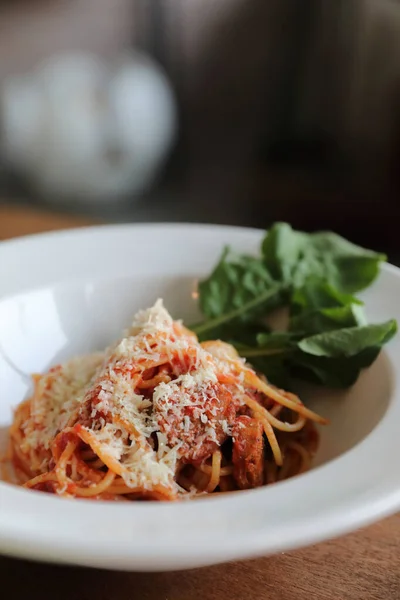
159	416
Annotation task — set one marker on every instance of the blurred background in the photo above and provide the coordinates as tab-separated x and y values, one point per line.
237	111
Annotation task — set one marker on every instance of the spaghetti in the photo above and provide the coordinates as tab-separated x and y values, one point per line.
158	416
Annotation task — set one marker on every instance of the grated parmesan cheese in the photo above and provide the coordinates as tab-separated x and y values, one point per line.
99	391
57	397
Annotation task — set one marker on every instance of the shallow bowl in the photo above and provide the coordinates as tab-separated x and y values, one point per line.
67	293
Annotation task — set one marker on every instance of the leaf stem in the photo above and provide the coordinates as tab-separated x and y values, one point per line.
233	314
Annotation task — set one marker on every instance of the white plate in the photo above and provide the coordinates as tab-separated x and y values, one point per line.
70	292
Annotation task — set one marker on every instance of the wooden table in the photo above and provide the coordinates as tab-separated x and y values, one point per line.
361	566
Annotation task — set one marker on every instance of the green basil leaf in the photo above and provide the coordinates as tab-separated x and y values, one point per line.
293	257
276	340
341	372
328	319
348	342
214	292
317	307
348	267
234	283
282	249
316	294
240	289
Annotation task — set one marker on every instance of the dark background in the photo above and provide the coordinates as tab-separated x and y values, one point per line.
289	110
